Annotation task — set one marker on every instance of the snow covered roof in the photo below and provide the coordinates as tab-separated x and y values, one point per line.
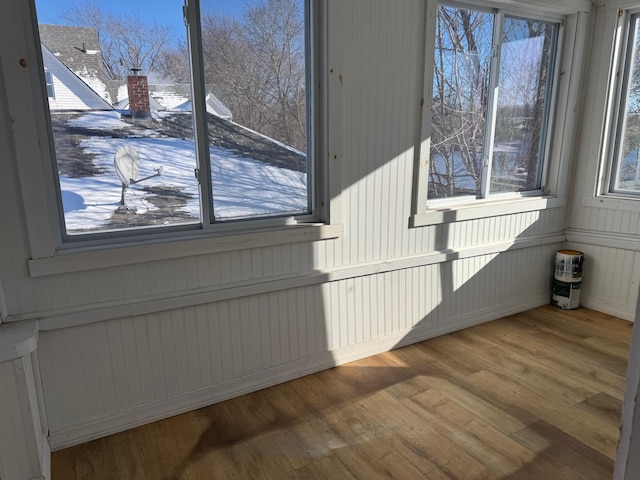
77	47
253	175
177	97
155	105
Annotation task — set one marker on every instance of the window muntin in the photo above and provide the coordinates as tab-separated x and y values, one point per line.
240	172
625	167
490	110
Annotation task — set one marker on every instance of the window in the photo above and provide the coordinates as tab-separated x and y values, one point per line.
48	78
491	101
166	127
624	175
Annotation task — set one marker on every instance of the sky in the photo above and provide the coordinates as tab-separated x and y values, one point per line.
167	12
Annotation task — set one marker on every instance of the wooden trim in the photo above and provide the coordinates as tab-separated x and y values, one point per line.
627	466
18	340
74	316
604	239
483	209
92	258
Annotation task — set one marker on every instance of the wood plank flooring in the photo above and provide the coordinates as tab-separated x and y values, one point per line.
532	396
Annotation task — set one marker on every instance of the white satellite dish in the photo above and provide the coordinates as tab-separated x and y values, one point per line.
127	162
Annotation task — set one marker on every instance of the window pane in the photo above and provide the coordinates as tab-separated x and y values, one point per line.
123	132
255	79
524	87
49	81
626	175
459	108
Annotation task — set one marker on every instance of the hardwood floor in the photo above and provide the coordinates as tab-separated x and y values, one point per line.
532	396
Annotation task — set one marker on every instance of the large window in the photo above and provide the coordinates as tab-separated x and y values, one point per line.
624	178
160	126
490	111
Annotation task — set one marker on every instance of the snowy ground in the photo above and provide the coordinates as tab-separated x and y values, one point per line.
242	187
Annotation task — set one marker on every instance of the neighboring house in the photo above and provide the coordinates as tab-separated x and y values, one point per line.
66	90
75	52
78	48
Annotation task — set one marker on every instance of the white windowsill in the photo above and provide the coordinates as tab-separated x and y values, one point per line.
105	256
612	203
484	209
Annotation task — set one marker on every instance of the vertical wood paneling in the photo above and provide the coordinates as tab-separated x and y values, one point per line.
131	347
99	369
143	348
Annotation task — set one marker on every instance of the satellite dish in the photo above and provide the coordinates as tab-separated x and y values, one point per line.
127	162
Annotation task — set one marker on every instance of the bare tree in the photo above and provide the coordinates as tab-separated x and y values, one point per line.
255	64
126	41
172	65
459	101
463	57
275	32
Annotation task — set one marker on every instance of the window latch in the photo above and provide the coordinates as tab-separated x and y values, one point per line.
185	14
196	173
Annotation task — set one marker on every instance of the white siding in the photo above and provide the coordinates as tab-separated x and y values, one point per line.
65	99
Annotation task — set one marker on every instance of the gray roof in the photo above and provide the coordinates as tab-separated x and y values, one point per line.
79	49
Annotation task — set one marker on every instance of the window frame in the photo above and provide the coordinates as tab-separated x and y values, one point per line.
50	252
427	211
616	107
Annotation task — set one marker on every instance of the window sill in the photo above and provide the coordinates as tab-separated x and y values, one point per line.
484	209
612	203
105	256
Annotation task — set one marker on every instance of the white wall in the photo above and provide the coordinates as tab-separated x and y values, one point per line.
155	338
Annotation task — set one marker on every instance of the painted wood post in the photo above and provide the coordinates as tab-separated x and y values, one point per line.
24	449
627	465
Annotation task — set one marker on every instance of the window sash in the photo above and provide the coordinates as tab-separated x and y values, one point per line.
629	64
492	104
208	221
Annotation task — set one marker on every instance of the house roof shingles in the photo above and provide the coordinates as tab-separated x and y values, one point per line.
79	49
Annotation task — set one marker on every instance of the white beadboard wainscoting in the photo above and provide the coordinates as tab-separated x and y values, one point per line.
108	376
611	272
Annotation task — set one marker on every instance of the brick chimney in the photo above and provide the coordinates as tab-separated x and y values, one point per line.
139	105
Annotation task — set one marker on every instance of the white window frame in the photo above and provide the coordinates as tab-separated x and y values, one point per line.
559	137
51	254
614	123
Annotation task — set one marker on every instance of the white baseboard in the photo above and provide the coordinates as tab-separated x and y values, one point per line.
625	312
158	410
